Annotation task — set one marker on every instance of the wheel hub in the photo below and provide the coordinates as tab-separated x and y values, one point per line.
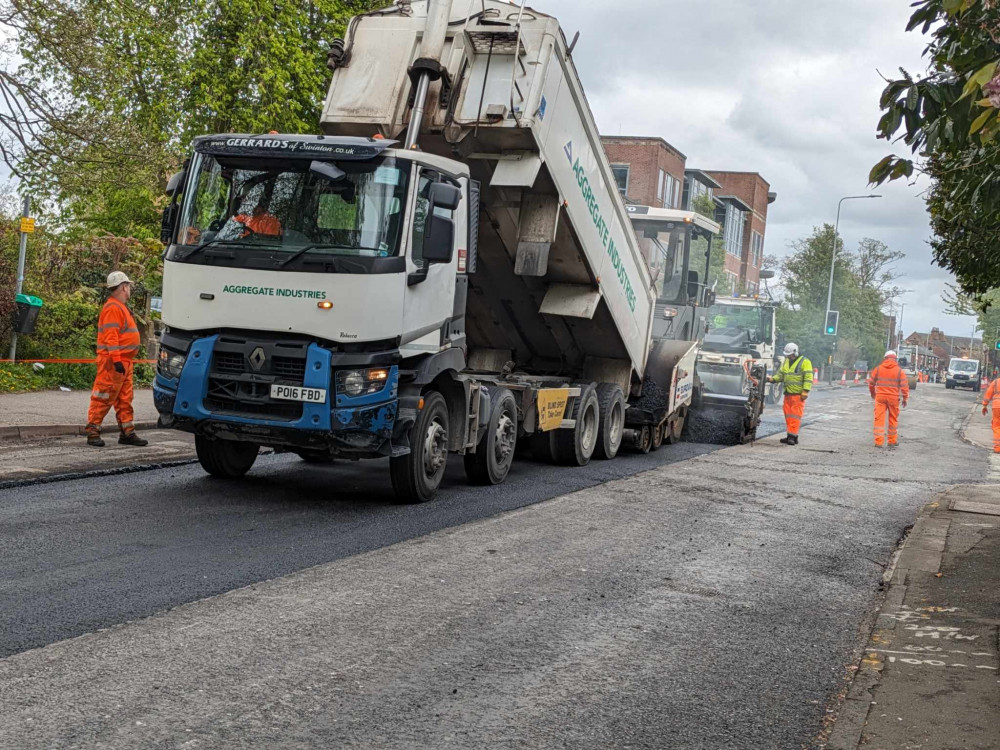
435	448
505	438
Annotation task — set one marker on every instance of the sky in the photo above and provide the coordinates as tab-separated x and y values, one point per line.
785	88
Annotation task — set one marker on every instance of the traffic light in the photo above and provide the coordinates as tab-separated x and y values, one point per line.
832	318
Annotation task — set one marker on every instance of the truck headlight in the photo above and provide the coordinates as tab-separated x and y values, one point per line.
355	383
170	364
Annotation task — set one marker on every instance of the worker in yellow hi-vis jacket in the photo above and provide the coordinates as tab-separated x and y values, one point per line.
796	372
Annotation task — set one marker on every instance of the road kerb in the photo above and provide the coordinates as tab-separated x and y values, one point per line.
41	432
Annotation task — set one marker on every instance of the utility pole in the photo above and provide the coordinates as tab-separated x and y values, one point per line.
833	262
22	249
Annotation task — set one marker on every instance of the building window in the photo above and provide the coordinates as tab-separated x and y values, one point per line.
756	248
677	195
732	280
667	188
620	172
735	220
659	185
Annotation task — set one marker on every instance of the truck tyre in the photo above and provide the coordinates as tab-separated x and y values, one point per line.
673	432
658	435
417	475
225	459
611	408
574	447
775	392
495	453
645	444
541	446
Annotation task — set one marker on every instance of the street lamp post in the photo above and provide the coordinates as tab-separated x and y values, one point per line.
833	258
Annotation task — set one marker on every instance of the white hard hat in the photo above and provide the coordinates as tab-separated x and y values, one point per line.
116	278
791	349
890	353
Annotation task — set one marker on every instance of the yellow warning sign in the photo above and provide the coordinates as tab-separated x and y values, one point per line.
551	407
27	224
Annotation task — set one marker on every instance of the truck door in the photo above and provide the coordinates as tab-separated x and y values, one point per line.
430	291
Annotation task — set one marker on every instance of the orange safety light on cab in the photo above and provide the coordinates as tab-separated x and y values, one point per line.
324	304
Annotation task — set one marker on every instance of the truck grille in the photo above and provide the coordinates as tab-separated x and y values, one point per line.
237	387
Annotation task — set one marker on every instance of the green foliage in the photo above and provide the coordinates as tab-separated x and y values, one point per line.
858	297
949	119
110	93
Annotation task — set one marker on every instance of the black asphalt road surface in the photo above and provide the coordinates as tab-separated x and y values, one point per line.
89	553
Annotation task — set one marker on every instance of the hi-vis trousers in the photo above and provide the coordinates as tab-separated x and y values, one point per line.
111	389
886	406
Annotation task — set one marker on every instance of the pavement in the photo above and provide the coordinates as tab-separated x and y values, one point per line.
693	598
930	674
42	414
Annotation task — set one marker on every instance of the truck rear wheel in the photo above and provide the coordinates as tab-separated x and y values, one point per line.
611	403
417	475
494	455
645	436
574	447
226	459
658	431
541	446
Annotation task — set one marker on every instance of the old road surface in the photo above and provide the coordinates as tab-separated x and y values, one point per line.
697	597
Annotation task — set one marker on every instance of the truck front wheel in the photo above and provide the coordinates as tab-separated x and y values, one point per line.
417	475
495	453
226	459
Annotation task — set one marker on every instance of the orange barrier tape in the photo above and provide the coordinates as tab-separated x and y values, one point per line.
70	361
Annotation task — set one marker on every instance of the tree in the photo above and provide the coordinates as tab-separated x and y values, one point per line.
805	276
110	92
872	263
949	119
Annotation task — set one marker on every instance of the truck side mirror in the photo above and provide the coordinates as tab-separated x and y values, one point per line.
444	195
175	183
169	223
439	240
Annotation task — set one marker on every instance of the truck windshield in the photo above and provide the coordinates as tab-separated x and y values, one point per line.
963	365
663	249
292	214
738	318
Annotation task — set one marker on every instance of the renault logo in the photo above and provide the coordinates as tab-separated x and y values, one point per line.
257	359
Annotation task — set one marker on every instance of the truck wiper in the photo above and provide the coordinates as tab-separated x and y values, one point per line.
212	243
319	246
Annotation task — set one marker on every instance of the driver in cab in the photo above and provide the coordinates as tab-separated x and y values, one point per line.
259	220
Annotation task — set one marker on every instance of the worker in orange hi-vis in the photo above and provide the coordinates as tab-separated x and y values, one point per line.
117	345
992	396
887	385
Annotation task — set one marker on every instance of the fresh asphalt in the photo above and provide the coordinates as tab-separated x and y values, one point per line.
716	602
89	553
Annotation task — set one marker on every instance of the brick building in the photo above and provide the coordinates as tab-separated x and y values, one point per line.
648	170
944	347
743	198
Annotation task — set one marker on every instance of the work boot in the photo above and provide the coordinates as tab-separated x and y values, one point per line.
789	439
94	436
130	438
793	440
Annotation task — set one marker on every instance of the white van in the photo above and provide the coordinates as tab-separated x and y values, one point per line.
963	373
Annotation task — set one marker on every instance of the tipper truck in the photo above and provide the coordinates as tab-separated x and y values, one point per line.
447	269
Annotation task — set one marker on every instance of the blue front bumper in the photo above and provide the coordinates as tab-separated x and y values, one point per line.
354	421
